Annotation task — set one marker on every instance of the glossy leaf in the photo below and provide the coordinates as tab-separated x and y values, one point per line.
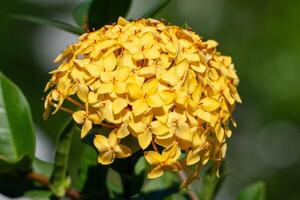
17	136
49	22
106	12
59	180
157	7
256	191
161	193
91	180
81	14
211	183
38	195
42	167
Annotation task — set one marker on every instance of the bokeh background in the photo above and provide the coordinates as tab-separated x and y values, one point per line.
262	36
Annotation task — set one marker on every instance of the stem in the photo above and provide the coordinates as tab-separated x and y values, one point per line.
109	125
76	103
71	112
62	108
43	180
154	146
191	193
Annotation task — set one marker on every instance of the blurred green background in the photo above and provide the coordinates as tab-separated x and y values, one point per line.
262	36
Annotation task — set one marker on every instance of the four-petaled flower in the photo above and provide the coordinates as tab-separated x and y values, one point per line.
167	160
109	148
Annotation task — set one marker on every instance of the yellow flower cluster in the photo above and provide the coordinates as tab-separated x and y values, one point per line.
157	83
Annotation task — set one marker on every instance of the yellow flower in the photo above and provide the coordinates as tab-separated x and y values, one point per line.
167	160
146	128
162	85
110	148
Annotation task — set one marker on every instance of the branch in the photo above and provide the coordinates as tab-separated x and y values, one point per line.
191	193
43	180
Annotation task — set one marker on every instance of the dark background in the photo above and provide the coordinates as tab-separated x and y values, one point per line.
262	36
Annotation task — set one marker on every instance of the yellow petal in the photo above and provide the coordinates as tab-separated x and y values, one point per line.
82	92
165	142
198	141
211	44
122	74
169	77
122	21
94	117
155	101
152	53
106	77
191	105
147	72
120	88
105	44
205	116
127	61
237	97
105	88
155	172
112	138
106	158
200	68
152	157
147	39
118	105
123	131
220	133
183	131
132	47
110	62
171	153
94	69
122	151
87	126
167	96
223	150
134	91
209	104
192	158
150	86
137	127
55	95
180	98
145	139
197	94
79	116
228	96
159	128
139	107
182	68
101	143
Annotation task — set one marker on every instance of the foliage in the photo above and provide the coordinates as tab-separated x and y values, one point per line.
125	179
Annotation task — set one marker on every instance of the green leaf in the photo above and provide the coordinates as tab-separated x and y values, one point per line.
156	8
106	12
38	195
59	180
132	174
114	184
211	183
42	167
256	191
17	141
161	193
50	22
164	186
81	14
